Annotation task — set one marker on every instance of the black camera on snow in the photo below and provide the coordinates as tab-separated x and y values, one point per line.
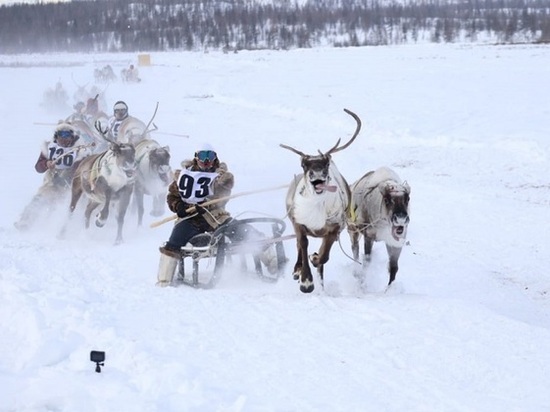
99	358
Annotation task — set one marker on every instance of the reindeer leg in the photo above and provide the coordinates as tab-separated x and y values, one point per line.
319	259
306	279
297	273
158	205
368	249
89	209
103	187
138	197
354	235
103	214
76	193
124	201
393	253
361	273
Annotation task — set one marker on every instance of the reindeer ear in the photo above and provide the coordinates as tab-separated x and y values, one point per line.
407	188
387	188
383	187
167	148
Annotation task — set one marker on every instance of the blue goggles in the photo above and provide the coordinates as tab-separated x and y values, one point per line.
65	134
206	156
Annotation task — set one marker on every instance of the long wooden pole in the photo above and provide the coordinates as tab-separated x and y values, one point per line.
45	124
171	134
220	199
151	131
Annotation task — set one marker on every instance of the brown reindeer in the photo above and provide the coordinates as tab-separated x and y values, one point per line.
105	178
317	203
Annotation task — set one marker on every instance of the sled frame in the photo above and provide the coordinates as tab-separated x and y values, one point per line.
218	247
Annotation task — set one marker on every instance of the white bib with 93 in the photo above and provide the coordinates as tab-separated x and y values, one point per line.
195	186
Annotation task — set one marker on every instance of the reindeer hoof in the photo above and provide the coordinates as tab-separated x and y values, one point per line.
307	286
314	259
99	223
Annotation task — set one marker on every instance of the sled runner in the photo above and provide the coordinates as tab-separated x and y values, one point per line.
219	247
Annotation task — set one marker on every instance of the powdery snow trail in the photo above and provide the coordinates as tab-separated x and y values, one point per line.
464	327
259	345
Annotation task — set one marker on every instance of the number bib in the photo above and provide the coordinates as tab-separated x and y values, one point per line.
115	128
63	161
195	187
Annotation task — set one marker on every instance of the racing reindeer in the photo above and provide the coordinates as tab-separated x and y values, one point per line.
154	175
317	202
106	177
379	212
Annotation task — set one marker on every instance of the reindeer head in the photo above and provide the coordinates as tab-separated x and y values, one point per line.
316	167
125	154
159	161
396	202
316	171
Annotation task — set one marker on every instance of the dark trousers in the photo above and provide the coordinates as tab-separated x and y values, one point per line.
181	233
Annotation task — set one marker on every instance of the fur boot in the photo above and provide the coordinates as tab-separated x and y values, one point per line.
167	268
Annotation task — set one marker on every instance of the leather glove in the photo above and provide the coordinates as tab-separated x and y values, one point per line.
181	210
200	209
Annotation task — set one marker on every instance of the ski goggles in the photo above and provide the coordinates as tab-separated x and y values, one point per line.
65	134
206	156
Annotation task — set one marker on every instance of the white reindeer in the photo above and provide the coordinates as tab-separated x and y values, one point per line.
317	203
380	212
154	175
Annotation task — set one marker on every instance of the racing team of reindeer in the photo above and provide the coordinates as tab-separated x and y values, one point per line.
125	159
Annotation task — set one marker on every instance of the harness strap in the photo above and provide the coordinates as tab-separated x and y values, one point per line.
138	160
94	170
353	206
139	145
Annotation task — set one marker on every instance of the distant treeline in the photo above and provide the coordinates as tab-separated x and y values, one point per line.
171	25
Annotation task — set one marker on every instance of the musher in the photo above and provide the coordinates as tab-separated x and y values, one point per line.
203	178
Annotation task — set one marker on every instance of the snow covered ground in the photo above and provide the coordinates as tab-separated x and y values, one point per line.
466	325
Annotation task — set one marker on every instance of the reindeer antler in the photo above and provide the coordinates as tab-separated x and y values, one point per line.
284	146
103	132
335	148
150	121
